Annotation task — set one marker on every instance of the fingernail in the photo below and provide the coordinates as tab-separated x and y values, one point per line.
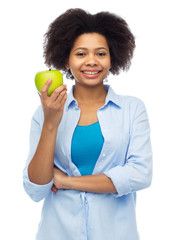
50	80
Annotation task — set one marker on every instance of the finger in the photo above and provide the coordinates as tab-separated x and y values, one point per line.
45	87
60	97
39	95
57	91
60	101
63	100
54	189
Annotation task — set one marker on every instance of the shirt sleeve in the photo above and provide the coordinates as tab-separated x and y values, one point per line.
35	191
136	174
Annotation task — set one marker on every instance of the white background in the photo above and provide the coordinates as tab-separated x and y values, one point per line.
22	26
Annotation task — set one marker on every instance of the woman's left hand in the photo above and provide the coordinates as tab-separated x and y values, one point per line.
98	183
59	180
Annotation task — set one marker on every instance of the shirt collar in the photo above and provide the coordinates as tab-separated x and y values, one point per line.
70	99
111	97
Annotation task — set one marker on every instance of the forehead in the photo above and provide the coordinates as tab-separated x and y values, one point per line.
90	40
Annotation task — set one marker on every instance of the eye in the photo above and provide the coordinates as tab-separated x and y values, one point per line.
80	54
101	54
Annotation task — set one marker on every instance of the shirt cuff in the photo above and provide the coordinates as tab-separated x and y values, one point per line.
35	191
121	183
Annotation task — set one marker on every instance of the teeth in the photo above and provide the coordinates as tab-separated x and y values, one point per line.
91	72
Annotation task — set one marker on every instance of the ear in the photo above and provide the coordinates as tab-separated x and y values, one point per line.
67	65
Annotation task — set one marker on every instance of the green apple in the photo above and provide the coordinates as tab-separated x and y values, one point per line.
42	77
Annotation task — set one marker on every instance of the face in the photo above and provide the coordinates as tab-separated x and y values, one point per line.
89	59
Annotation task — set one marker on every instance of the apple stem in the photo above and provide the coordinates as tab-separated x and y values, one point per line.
50	69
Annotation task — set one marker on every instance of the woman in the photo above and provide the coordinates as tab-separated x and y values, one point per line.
90	151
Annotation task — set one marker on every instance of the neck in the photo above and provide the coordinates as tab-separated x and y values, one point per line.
89	95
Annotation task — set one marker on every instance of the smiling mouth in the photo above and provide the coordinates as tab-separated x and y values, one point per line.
91	73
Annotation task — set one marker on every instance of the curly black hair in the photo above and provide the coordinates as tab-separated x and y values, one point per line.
63	31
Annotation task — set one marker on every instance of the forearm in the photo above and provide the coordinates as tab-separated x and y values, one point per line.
40	169
98	183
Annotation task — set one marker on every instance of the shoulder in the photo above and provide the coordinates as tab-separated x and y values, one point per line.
130	106
131	100
133	105
125	101
134	108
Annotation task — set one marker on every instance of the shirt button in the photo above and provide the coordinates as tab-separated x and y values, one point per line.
104	155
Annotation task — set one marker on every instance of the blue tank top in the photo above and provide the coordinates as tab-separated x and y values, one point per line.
87	142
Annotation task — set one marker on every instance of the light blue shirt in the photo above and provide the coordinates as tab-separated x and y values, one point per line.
126	158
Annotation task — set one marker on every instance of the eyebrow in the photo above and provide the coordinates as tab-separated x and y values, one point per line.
82	48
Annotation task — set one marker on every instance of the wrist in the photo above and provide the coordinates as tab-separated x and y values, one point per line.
50	127
67	183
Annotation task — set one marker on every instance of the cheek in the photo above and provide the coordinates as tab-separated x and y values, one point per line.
74	65
75	70
107	64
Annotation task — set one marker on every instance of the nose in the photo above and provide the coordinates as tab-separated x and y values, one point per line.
91	60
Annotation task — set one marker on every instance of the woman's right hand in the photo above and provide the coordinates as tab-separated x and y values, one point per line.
53	106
